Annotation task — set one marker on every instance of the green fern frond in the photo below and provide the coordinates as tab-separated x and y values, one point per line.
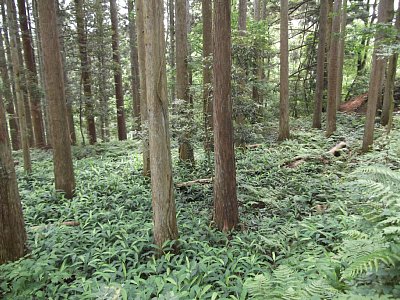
320	288
259	287
381	174
370	262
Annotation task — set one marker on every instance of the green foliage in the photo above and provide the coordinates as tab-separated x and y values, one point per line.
287	248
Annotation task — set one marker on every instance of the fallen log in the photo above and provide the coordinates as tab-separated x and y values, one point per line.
193	182
335	151
45	226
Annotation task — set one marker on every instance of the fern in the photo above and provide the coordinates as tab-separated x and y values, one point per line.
370	262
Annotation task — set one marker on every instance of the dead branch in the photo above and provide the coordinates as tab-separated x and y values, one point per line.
66	223
193	182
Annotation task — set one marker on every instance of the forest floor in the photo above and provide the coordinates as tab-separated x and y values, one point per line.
309	231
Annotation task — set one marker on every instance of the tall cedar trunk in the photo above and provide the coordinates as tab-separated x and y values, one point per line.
41	73
377	73
258	61
319	86
55	93
135	85
171	10
101	53
70	116
22	109
9	101
143	88
12	230
333	70
13	24
226	215
388	100
182	77
343	21
164	213
31	77
207	74
284	74
242	23
86	72
257	10
119	94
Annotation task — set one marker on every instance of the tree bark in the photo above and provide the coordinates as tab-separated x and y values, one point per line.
207	74
377	73
143	88
70	116
119	94
21	104
321	55
226	215
31	76
333	70
9	101
343	21
14	35
12	228
182	78
55	93
171	10
284	74
135	84
388	100
164	213
86	72
242	23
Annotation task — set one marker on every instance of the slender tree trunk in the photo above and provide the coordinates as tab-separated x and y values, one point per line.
70	116
377	73
333	70
207	74
55	93
171	9
143	88
135	84
22	111
41	74
9	101
242	23
226	215
257	10
319	86
388	100
182	77
342	41
164	214
119	94
12	230
31	76
14	34
284	74
86	72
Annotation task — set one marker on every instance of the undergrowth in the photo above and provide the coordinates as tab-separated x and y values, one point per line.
325	229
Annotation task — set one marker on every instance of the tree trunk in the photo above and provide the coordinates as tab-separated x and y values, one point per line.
207	74
12	228
14	34
388	100
226	215
343	21
31	76
55	93
171	9
70	116
9	101
319	85
182	78
333	70
143	88
119	94
164	214
377	73
135	85
284	74
22	109
242	23
86	72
